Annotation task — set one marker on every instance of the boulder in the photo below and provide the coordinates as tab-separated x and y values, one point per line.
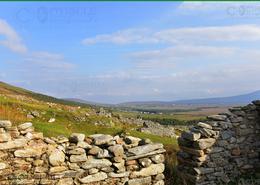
5	124
4	137
76	137
140	181
145	162
93	178
159	158
217	117
93	171
17	143
118	175
57	157
204	125
154	169
103	154
51	120
145	149
204	143
2	165
130	140
78	158
83	144
96	163
66	181
117	150
132	157
101	139
28	152
120	166
57	169
76	151
25	126
191	136
94	150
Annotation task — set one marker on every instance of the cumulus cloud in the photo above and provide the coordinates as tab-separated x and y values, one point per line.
183	52
180	35
215	33
48	60
11	39
127	36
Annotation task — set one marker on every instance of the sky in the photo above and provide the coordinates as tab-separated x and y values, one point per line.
112	52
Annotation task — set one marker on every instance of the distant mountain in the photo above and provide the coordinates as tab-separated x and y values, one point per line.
86	102
231	100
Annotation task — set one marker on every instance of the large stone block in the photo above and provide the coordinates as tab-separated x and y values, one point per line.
204	143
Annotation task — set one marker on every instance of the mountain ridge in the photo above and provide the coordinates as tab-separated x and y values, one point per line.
229	100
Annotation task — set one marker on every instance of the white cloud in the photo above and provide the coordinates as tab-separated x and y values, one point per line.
184	52
40	59
166	59
180	35
48	60
127	36
12	40
209	34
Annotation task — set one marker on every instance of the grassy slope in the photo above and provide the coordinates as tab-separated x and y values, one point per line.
15	108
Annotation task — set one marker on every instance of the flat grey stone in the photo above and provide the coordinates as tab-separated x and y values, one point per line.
139	150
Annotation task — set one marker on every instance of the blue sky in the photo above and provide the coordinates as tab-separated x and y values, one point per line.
121	51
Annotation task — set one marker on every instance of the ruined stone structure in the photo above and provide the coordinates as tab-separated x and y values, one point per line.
29	158
221	149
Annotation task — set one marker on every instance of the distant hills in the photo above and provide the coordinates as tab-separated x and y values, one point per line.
231	100
218	101
86	102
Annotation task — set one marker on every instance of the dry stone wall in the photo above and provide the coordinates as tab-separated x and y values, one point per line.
29	158
221	149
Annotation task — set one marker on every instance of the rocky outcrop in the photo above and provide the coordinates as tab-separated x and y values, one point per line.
26	157
223	148
154	128
150	127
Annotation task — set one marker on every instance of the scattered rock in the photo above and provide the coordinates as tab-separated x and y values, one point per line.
56	158
25	126
52	120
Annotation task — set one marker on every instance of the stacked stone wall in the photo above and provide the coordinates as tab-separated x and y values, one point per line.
223	148
29	158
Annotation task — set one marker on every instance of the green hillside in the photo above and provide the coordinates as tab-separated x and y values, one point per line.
19	105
